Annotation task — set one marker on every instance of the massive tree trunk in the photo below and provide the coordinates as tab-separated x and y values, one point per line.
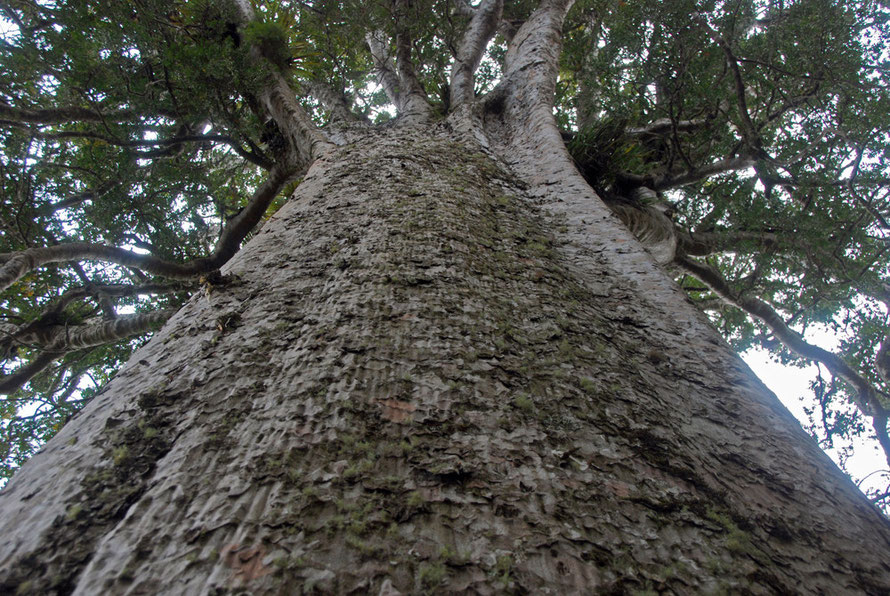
436	371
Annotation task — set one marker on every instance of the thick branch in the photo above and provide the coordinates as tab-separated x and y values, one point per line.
67	339
464	8
14	381
305	141
524	97
668	181
708	243
60	115
415	103
537	44
15	265
648	224
664	126
334	102
482	27
33	333
386	72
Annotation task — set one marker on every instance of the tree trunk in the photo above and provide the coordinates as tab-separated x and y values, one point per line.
416	379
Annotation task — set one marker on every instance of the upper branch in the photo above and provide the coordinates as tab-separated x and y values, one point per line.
67	339
415	104
531	66
676	180
483	25
708	243
537	44
305	141
332	100
665	126
16	380
60	115
386	71
747	128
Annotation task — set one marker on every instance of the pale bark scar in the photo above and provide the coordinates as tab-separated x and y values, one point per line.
247	562
397	411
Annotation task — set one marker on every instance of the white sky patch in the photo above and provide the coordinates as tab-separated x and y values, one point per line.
8	30
135	249
791	385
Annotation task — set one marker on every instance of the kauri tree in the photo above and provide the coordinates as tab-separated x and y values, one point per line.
415	272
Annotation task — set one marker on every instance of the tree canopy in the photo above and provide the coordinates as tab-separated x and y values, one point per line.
745	143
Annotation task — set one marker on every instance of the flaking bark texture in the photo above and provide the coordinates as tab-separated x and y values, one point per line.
414	380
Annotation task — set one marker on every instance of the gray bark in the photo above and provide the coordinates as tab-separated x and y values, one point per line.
417	379
386	70
483	25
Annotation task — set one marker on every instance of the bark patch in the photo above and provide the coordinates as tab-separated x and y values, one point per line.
247	562
397	411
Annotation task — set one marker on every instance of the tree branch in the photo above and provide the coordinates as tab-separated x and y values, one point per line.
483	25
538	42
304	140
415	103
60	115
335	102
747	129
173	141
383	64
82	197
668	181
664	126
730	164
67	339
707	243
16	380
17	264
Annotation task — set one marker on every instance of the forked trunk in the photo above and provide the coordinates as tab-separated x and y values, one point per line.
413	380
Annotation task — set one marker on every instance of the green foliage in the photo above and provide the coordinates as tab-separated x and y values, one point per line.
603	151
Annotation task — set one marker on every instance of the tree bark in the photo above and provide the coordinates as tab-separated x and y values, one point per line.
431	372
